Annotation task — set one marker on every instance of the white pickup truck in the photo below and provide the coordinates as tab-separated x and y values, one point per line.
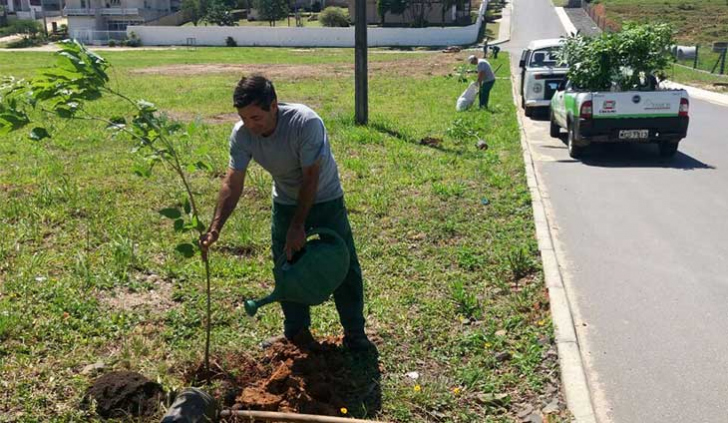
647	115
541	73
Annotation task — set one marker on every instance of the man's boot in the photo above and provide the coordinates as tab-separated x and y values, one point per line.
357	341
303	339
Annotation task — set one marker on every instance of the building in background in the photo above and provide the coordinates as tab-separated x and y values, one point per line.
430	11
32	9
98	21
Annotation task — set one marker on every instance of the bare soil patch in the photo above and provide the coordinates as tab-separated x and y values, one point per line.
418	66
158	297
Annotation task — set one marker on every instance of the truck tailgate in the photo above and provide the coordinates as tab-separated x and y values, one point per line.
637	104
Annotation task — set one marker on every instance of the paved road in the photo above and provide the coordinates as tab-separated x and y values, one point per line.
644	245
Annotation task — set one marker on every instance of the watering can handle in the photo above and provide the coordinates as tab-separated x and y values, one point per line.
322	232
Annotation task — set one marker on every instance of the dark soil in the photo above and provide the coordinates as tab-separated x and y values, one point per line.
123	394
321	378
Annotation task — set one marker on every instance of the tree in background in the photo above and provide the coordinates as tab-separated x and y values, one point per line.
396	7
192	10
382	9
419	9
220	13
334	17
447	5
272	10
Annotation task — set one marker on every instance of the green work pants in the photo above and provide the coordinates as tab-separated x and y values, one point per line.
485	93
349	297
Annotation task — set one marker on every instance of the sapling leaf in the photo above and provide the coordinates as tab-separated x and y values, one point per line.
192	224
204	166
39	133
179	225
171	213
187	206
141	170
192	127
187	249
145	106
12	119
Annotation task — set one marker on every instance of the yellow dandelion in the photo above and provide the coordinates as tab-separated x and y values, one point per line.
541	322
456	391
488	345
344	410
417	388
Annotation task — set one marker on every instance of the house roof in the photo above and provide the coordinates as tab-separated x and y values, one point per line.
549	42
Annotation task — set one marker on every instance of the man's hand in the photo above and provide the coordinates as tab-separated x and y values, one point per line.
207	239
295	240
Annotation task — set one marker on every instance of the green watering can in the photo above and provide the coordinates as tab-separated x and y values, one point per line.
312	276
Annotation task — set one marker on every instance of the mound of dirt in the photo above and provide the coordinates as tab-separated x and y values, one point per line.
121	394
320	379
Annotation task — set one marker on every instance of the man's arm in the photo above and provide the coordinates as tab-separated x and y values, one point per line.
296	236
227	199
481	76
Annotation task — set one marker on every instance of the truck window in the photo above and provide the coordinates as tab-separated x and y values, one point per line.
544	57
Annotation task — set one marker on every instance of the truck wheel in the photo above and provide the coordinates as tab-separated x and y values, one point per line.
554	129
668	148
575	151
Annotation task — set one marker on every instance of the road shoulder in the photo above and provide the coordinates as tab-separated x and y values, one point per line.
573	376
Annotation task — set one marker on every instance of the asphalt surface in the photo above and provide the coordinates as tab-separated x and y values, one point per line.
644	250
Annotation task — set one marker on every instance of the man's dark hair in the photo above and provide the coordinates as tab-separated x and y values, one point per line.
255	89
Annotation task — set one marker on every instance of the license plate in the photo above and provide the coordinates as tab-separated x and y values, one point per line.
634	134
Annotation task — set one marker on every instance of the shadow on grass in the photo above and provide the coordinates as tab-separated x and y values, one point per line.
386	129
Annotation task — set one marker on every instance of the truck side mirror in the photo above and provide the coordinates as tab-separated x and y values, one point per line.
521	63
562	85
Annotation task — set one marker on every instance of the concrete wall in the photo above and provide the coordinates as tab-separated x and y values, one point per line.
308	37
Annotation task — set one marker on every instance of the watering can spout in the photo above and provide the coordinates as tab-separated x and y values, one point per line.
252	306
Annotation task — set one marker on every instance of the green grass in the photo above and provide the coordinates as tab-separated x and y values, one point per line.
450	282
699	79
697	21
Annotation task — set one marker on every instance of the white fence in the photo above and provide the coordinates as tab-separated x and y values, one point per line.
307	37
94	37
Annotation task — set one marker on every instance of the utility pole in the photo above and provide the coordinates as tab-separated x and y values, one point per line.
361	84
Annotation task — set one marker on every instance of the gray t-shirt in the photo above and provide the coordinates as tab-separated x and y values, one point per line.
484	66
298	141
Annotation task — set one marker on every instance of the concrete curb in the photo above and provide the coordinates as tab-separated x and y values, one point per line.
565	21
701	94
573	375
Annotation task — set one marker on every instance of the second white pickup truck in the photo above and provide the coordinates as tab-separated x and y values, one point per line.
647	115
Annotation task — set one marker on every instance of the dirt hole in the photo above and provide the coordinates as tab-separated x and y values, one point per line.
323	379
124	393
